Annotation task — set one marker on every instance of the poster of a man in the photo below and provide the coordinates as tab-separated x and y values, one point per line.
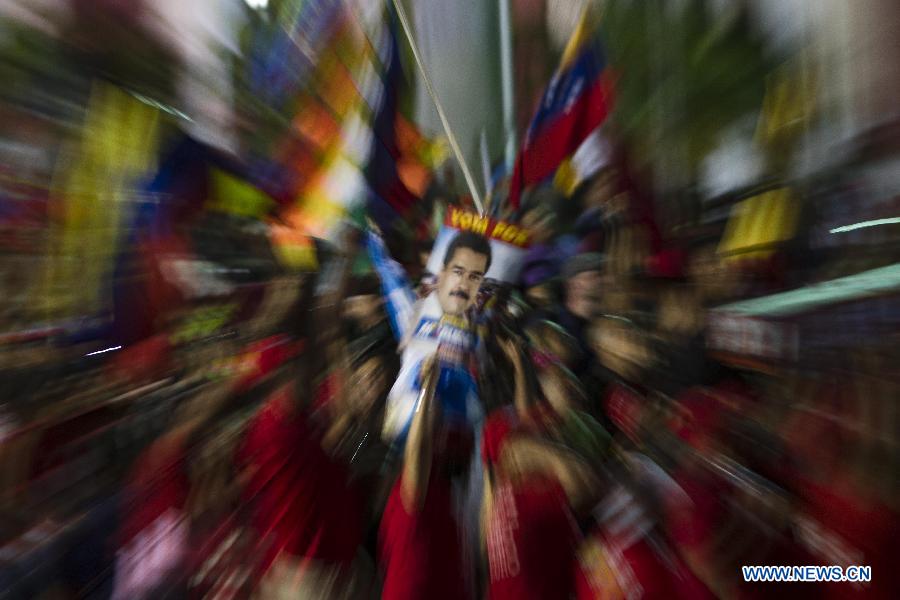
466	262
468	251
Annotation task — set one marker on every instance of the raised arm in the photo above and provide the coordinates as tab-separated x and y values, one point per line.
398	293
418	452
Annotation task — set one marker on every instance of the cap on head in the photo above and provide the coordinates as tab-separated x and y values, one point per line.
581	263
538	272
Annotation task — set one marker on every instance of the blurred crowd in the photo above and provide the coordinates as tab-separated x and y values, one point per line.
193	390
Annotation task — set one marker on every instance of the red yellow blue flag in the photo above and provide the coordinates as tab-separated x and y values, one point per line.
577	100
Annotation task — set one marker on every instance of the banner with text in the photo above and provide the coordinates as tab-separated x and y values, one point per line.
509	243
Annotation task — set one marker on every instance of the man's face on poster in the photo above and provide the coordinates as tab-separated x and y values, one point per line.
460	279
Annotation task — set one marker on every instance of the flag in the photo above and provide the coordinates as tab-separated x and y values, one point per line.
758	224
287	53
397	172
575	103
414	165
330	133
381	172
234	195
117	146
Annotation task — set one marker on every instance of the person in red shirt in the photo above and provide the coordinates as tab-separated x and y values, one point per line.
154	537
534	491
626	554
303	509
420	552
305	516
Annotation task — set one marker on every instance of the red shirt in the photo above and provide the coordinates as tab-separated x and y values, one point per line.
618	559
299	497
696	528
624	407
420	552
531	541
154	534
636	571
841	527
217	560
159	482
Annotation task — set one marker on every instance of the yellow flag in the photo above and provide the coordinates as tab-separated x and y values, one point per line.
118	143
789	103
757	225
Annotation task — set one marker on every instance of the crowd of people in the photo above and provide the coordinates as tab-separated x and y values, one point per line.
242	442
207	393
610	456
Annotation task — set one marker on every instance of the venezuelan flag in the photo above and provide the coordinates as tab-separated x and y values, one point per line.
577	100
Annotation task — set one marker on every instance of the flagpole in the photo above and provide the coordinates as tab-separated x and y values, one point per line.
451	137
485	167
507	88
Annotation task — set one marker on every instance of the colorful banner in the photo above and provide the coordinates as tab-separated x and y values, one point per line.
332	132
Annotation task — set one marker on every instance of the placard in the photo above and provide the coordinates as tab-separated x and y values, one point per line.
509	243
